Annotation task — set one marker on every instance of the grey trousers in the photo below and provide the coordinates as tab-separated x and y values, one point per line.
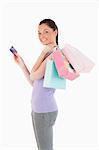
43	129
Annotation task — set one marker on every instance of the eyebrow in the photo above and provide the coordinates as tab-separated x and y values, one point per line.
44	30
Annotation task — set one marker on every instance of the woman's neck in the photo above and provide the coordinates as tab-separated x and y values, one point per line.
51	45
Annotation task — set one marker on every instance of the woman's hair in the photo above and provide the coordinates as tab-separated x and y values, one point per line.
52	25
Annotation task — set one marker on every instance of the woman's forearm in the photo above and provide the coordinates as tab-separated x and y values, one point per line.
41	58
44	54
39	61
27	74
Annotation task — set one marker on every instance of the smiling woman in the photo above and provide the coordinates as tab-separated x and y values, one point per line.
46	34
44	107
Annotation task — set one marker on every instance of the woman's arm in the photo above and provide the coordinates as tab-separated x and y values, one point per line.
39	73
44	54
39	61
27	74
23	67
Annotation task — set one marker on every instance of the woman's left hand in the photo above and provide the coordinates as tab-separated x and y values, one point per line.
48	49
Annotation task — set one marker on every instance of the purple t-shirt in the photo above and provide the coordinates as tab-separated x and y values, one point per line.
42	98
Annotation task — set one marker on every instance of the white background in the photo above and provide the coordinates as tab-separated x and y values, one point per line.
76	126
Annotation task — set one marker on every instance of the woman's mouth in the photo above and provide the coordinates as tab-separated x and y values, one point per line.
43	40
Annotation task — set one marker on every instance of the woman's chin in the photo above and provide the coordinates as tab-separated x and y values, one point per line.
45	43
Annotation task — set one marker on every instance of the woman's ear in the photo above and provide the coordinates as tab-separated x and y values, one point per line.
56	32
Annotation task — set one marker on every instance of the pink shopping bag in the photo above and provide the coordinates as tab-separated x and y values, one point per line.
62	66
78	60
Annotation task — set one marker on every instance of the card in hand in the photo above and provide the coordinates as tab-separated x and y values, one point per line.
13	50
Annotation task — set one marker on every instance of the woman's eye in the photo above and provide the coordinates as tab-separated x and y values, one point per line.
46	31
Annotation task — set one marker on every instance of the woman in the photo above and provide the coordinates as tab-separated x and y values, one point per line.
44	107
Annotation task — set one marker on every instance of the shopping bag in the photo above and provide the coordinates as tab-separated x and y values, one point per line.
51	77
78	60
62	66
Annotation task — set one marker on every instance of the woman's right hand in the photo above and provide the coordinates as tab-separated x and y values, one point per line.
18	59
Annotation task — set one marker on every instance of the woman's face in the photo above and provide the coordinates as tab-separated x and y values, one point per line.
46	34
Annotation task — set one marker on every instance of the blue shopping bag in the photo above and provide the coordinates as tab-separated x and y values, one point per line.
51	78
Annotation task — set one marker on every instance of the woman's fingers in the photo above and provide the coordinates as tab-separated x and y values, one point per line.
16	58
48	48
